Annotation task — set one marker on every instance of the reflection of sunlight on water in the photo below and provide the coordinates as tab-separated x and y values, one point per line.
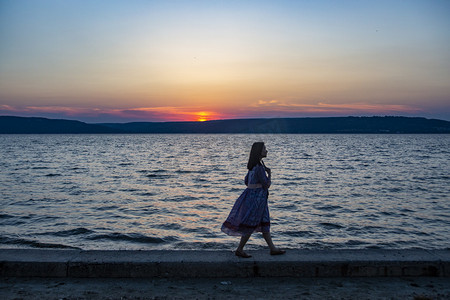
130	191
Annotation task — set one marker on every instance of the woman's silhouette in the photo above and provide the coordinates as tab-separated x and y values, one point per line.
250	212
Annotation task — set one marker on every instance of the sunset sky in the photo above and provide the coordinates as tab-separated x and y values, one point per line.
122	61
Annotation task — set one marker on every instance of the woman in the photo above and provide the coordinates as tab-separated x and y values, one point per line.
250	212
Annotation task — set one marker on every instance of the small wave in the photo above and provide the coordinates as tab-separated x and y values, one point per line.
421	189
185	171
331	225
40	168
202	230
129	190
356	195
150	210
422	233
375	247
290	183
299	233
6	219
170	226
354	243
152	171
298	179
53	175
191	171
104	208
157	175
131	237
287	206
388	213
70	232
329	207
34	244
364	229
147	194
206	207
200	180
5	216
181	198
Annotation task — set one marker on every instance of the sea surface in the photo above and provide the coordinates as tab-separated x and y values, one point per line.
174	191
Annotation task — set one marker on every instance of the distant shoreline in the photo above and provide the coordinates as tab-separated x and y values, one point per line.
324	125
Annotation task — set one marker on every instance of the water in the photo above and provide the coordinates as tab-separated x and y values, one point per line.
174	191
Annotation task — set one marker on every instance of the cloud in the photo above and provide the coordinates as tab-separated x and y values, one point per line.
267	102
260	109
278	106
140	114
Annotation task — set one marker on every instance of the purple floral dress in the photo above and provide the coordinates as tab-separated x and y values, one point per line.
250	212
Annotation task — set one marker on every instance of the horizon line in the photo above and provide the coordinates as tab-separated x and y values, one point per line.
231	119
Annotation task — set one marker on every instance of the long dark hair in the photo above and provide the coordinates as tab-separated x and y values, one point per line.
255	155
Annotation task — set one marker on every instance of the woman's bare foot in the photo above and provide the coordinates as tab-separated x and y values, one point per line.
277	251
242	254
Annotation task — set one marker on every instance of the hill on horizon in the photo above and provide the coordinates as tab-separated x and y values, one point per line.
11	124
387	124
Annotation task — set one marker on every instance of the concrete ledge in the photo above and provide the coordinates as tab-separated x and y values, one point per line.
189	264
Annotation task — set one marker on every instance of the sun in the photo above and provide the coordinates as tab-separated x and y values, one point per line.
202	116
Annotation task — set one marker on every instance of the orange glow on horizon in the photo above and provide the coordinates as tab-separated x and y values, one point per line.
261	109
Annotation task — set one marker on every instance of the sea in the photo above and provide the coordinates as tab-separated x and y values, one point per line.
174	191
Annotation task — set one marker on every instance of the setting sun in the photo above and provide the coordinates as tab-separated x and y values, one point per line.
202	116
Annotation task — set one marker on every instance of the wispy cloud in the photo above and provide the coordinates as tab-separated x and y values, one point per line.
280	107
155	114
260	108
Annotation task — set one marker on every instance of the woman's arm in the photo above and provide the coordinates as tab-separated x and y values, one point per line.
263	178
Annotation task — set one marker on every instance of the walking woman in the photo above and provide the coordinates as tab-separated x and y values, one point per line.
250	212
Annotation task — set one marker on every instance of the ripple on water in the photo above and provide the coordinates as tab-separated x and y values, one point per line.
169	226
181	198
291	207
105	208
328	225
157	175
9	220
300	233
131	237
20	242
69	232
329	207
353	243
147	194
5	216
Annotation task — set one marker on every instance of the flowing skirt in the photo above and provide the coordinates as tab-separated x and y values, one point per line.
249	214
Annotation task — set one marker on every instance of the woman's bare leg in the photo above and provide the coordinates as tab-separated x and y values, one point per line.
269	242
242	243
273	250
